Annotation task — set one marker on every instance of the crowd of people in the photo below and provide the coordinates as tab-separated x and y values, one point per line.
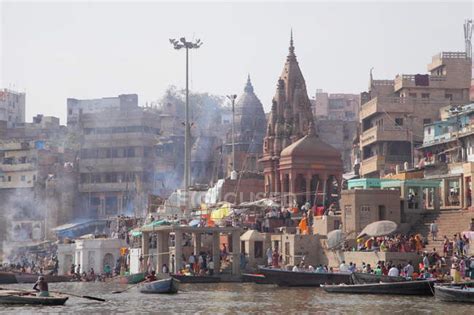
34	264
397	243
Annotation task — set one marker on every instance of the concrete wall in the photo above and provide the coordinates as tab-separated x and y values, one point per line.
361	207
334	258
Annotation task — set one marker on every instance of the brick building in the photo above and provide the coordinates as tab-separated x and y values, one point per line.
393	112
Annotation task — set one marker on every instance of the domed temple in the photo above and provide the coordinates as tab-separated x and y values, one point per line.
298	166
249	132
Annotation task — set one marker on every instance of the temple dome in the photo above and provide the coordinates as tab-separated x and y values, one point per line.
310	146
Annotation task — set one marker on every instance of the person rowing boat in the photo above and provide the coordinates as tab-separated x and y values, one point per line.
41	286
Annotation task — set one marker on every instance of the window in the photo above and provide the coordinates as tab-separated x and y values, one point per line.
425	95
23	178
130	152
426	121
449	96
69	112
429	130
242	246
2	179
9	178
258	249
412	95
399	121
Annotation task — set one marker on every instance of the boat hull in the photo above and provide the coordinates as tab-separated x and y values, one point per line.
165	286
454	294
417	287
196	279
32	278
7	278
130	279
255	278
304	279
361	278
20	299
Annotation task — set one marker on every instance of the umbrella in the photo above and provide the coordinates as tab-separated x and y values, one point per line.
379	228
335	238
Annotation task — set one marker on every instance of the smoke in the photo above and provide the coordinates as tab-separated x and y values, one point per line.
26	213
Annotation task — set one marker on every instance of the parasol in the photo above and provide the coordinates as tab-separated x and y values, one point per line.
335	238
379	228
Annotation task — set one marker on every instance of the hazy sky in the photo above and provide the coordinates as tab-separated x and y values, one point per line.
56	50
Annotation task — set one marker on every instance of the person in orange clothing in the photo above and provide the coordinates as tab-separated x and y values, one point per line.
303	226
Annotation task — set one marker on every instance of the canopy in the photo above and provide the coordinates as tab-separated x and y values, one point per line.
157	223
262	203
135	233
379	228
335	238
79	227
194	222
220	213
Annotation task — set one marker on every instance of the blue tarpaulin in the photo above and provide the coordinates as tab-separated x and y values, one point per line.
80	227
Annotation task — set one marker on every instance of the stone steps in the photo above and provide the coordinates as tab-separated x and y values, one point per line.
449	222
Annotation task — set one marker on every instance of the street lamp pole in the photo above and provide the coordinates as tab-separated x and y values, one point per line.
233	174
179	44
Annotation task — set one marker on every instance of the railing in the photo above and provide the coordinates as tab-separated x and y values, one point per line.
382	82
452	54
17	167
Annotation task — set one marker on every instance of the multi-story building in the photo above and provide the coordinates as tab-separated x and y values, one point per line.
393	112
76	107
117	166
448	155
37	185
337	119
12	108
338	106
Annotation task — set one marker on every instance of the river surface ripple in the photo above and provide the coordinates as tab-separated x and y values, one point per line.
234	298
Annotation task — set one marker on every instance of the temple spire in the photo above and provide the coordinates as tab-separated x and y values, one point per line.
248	87
292	48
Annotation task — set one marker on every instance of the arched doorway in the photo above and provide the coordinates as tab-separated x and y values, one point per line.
108	260
67	264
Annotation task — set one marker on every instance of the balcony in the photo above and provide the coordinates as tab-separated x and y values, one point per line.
408	81
17	167
136	164
372	164
384	133
385	104
106	187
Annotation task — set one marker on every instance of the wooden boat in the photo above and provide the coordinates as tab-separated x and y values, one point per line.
196	279
32	278
416	287
21	297
163	286
130	279
455	293
255	278
361	278
304	278
8	277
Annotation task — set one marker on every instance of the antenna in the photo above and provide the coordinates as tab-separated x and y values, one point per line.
467	37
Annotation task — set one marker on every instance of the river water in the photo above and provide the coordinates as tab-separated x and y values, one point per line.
232	298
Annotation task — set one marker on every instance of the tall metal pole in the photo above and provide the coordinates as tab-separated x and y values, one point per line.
179	44
187	155
233	174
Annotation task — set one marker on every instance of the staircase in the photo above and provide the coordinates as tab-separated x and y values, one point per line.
449	222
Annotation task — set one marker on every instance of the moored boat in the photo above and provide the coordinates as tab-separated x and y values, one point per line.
361	278
416	287
23	298
455	293
304	278
130	279
163	286
255	278
32	278
196	279
7	277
